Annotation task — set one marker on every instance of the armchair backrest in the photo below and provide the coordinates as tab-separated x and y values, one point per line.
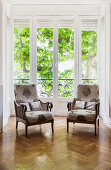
25	93
88	92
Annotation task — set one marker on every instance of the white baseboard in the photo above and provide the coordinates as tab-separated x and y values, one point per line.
12	115
5	122
101	115
106	121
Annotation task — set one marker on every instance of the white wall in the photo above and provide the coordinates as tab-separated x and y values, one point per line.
107	64
5	66
1	82
1	71
28	10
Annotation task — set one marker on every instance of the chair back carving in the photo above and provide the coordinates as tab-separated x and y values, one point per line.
25	93
88	92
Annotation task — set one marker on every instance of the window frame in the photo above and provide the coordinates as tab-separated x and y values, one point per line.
54	23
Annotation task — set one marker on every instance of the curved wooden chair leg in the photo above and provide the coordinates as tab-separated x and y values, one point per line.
16	124
26	128
52	126
67	125
98	122
95	128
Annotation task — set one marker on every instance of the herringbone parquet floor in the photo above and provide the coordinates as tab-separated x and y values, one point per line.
77	150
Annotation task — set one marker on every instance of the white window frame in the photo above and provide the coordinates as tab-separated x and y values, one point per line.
54	22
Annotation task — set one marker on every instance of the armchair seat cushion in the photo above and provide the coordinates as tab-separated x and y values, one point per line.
82	115
38	117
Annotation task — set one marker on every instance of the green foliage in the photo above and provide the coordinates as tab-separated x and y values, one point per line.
66	88
21	52
89	55
45	50
65	51
89	44
45	55
65	44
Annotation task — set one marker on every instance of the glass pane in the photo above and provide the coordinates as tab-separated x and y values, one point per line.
89	57
21	55
65	62
45	62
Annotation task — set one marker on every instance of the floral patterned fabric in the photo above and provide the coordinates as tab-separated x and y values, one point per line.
88	92
38	117
82	115
25	93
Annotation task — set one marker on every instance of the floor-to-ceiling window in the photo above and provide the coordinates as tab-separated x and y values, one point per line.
66	55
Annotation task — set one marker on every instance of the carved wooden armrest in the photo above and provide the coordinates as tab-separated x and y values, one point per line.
97	108
20	110
50	106
70	106
47	106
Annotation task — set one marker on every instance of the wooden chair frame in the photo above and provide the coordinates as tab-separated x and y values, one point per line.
21	117
70	106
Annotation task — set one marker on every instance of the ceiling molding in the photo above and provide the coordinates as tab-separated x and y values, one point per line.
36	10
54	2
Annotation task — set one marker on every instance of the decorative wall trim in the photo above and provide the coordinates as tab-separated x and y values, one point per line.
61	9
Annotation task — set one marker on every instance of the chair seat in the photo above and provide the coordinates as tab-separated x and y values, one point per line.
81	115
38	117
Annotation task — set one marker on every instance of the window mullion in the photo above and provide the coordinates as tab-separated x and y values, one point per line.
79	51
98	51
55	61
76	55
12	63
33	52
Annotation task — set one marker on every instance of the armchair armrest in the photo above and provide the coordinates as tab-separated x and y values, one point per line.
70	106
47	106
97	108
20	110
50	106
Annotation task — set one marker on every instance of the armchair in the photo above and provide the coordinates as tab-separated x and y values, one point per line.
84	108
29	109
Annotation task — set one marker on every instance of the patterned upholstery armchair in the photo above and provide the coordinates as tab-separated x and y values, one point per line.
84	108
29	109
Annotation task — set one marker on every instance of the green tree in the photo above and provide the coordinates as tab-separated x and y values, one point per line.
89	55
21	52
45	54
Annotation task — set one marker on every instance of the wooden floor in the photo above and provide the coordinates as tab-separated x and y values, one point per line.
77	150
